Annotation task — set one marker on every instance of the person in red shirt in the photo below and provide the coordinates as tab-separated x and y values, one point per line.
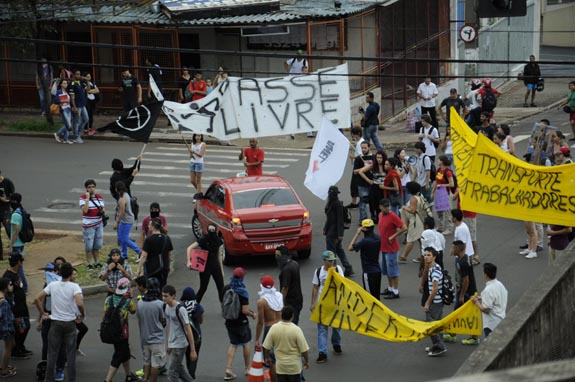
253	158
389	227
198	87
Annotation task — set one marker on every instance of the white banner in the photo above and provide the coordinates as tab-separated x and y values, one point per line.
242	107
155	89
327	160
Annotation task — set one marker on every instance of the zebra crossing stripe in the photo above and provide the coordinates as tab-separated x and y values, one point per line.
231	157
211	166
303	153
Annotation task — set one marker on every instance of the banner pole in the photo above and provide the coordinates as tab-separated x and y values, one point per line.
185	142
143	149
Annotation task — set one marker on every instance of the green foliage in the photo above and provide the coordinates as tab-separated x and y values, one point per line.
38	125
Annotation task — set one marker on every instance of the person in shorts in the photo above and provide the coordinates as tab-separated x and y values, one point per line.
92	205
239	331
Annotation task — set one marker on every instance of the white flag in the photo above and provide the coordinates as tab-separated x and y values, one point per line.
155	90
327	160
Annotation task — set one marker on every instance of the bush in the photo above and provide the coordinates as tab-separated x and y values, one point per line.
30	125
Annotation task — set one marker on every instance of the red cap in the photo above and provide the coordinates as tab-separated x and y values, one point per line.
267	282
565	151
239	273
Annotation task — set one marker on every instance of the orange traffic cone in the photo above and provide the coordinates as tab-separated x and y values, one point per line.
256	373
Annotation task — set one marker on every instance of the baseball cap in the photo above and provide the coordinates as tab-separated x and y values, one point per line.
299	52
15	256
267	282
329	255
115	251
122	286
565	151
239	273
366	223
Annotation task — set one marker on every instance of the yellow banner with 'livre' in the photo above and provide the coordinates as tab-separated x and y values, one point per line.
346	305
497	183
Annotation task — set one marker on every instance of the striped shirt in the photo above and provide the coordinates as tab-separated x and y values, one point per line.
92	218
435	274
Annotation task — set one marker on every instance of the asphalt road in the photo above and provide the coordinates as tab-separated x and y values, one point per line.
51	175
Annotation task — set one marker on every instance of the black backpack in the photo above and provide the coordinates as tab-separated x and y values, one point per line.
422	131
346	217
111	325
489	100
432	170
26	233
447	289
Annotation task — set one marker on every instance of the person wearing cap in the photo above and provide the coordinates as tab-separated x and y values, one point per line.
93	212
333	228
484	92
19	307
131	91
369	255
564	156
289	345
67	308
290	281
17	245
295	65
239	331
151	322
389	226
155	212
269	306
115	269
426	92
196	315
121	300
455	101
318	281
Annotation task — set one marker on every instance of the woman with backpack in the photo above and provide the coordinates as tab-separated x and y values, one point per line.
121	303
196	316
412	214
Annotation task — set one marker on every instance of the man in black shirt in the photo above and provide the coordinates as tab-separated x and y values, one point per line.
452	101
290	281
531	74
122	174
485	127
211	242
20	308
156	254
6	189
333	228
131	91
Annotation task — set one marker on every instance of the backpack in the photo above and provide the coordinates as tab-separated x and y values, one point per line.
135	207
452	189
111	327
346	217
424	207
422	131
489	100
231	305
432	169
26	233
195	332
447	289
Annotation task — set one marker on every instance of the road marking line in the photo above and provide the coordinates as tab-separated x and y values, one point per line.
520	138
232	157
305	152
208	168
75	211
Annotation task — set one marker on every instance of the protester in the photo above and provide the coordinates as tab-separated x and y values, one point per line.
145	231
463	233
356	136
62	98
421	171
433	306
238	329
196	317
426	92
364	166
197	152
122	174
333	228
289	346
493	300
156	256
472	117
319	278
253	158
180	335
507	143
455	101
122	300
131	91
404	170
155	71
93	213
558	236
80	325
16	244
67	308
151	321
412	215
429	135
290	281
430	237
390	226
197	87
124	220
79	100
370	121
444	183
212	243
6	328
569	106
183	84
369	255
295	65
93	95
531	75
6	190
269	306
488	95
44	78
116	268
391	185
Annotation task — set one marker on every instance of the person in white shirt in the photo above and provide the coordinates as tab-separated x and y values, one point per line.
493	299
426	92
462	232
429	135
474	108
295	65
66	302
431	238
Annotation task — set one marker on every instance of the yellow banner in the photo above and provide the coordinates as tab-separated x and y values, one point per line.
497	183
346	305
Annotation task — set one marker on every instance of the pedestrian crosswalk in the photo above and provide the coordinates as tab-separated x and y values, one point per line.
163	178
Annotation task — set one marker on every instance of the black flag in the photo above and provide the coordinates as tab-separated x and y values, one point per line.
136	123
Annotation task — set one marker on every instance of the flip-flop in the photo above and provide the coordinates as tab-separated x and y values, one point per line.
230	376
8	373
402	260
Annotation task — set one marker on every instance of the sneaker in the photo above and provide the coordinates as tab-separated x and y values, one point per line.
321	358
91	132
524	246
57	138
471	341
59	376
78	140
386	292
436	352
163	370
337	349
533	105
531	255
525	251
80	353
449	338
352	205
539	248
401	260
20	355
68	142
89	267
140	373
132	378
391	296
417	260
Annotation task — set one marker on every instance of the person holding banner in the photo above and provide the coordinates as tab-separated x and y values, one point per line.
493	300
131	91
253	158
211	243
